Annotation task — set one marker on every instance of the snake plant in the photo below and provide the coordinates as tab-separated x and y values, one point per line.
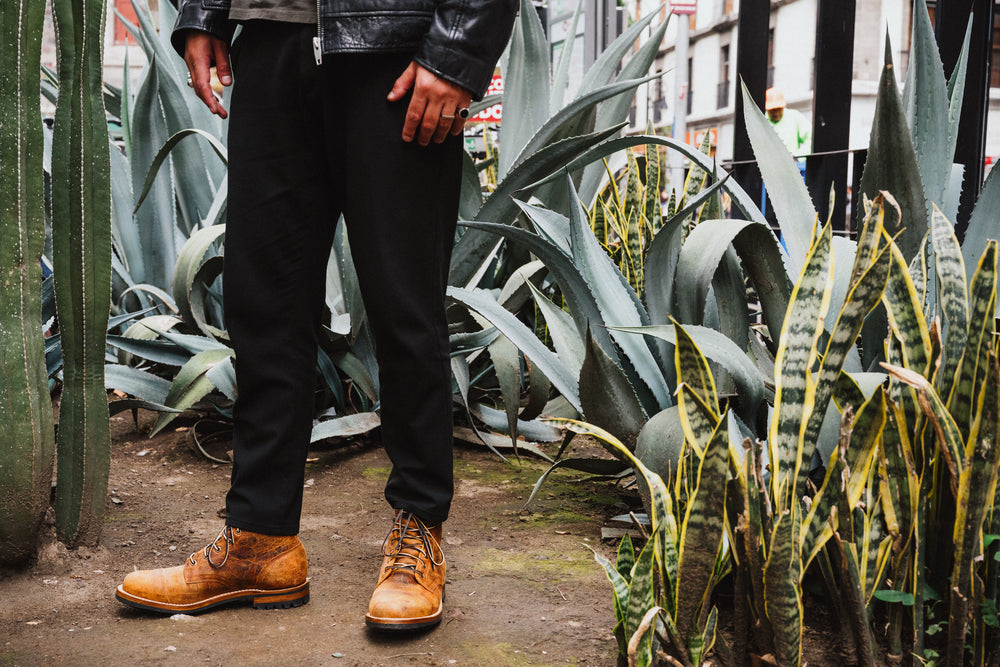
27	440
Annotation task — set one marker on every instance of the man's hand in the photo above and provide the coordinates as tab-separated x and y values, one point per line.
200	49
434	105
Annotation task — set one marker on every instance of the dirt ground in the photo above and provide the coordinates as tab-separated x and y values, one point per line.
523	587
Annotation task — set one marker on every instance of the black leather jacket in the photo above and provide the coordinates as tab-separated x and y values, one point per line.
459	40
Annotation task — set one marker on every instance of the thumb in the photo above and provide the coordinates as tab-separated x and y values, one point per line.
403	84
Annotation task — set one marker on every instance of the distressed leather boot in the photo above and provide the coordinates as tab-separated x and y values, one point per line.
410	589
268	571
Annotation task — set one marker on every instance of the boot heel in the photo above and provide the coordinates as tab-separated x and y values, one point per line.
284	600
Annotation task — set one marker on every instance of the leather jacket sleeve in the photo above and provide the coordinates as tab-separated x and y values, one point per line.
466	40
210	16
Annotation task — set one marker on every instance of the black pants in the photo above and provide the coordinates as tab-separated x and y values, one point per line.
307	143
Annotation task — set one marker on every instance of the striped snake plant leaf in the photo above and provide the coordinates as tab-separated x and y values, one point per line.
783	591
872	234
693	370
953	298
847	476
852	585
863	297
654	183
976	490
641	599
697	419
948	435
608	398
81	218
982	222
527	90
898	480
472	250
755	526
892	164
928	118
793	206
664	522
702	531
27	438
523	338
795	387
620	586
191	384
762	261
973	365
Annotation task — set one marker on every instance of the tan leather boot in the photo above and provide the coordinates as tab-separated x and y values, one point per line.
267	570
410	589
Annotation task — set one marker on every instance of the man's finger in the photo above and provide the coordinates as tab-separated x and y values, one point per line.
199	50
222	66
429	124
403	84
414	116
443	127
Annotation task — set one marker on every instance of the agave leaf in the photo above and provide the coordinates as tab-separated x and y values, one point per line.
757	248
565	338
982	224
134	382
660	443
561	72
533	430
526	84
553	226
701	532
928	119
473	249
795	387
347	426
223	377
156	219
523	338
607	397
892	165
189	261
190	384
787	191
156	351
507	367
356	369
953	298
165	151
609	61
618	303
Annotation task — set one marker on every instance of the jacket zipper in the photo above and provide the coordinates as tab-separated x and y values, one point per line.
318	39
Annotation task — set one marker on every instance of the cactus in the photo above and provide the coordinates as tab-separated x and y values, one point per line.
81	221
26	434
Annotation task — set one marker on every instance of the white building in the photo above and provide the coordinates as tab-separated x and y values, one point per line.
711	66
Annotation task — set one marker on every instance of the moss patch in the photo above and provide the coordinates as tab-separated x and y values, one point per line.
376	473
573	563
502	653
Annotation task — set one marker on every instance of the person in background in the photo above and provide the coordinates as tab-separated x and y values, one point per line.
339	107
791	126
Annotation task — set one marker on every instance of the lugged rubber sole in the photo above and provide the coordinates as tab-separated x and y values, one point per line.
286	598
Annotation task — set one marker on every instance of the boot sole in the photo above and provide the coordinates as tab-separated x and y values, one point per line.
405	624
285	598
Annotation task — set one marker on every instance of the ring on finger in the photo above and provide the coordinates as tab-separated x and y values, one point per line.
447	116
463	113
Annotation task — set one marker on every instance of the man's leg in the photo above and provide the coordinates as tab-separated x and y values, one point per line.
280	226
401	206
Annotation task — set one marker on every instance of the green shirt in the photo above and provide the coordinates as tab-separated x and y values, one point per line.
794	131
291	11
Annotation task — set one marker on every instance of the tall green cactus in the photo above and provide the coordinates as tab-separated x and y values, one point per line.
81	231
26	435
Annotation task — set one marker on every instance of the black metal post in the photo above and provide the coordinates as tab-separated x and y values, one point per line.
751	69
951	20
832	107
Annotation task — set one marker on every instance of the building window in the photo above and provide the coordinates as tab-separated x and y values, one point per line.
722	94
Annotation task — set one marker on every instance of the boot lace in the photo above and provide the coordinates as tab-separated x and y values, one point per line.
226	538
409	544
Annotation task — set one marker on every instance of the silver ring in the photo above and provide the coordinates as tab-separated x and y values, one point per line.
189	81
463	113
447	117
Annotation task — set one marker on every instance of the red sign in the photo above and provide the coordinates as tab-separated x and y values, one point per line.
680	7
492	114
